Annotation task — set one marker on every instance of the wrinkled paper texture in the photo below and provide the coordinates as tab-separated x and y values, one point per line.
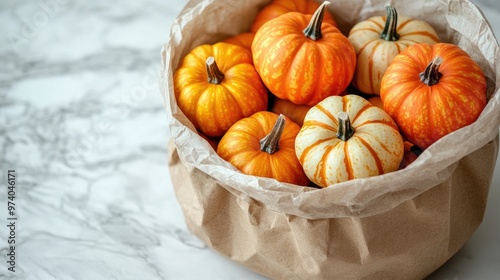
400	225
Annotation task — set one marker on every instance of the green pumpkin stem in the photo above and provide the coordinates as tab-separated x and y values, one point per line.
215	76
391	24
269	144
313	29
431	74
346	131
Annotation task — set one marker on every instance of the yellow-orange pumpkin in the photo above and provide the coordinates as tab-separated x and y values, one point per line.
217	85
264	145
346	137
277	8
379	39
433	90
301	59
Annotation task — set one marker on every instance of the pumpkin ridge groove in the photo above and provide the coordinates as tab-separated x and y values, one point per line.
473	98
322	170
364	29
398	47
409	41
370	66
382	144
291	70
235	158
421	33
316	85
229	95
386	122
457	109
403	93
360	112
347	162
374	154
345	101
430	103
313	145
319	124
403	24
365	46
376	23
328	114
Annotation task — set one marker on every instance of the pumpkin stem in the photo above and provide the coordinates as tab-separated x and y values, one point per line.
431	75
391	23
214	74
346	130
269	144
313	29
416	150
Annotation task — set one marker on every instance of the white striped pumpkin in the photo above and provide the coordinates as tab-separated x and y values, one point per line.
379	39
346	137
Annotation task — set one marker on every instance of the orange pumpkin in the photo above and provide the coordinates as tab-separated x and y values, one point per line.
379	39
291	110
301	59
243	40
411	154
263	145
346	137
214	98
277	8
376	101
433	90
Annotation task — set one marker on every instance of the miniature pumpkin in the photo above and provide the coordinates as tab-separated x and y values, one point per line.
379	39
291	110
214	98
264	145
346	137
433	90
376	101
302	60
410	155
243	40
277	8
411	151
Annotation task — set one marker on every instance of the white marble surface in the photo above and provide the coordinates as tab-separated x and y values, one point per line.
83	125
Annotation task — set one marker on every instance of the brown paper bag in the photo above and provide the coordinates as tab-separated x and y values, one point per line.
400	225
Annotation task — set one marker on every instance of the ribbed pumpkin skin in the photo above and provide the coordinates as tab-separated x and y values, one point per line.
240	146
213	108
374	54
427	113
277	8
299	69
376	146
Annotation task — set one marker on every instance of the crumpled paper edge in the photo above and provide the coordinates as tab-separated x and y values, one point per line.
359	197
